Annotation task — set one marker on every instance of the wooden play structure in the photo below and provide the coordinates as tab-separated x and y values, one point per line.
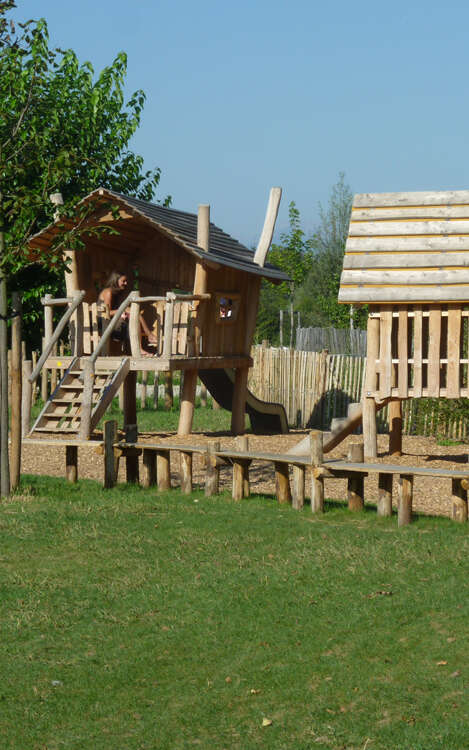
187	271
407	258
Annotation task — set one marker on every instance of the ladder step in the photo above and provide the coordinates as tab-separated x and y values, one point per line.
56	430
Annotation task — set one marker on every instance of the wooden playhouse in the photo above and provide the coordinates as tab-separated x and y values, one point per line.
185	269
407	258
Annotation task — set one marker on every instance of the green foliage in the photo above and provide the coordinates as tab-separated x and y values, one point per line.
136	619
316	298
62	129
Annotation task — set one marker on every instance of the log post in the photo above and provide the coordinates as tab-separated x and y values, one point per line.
298	487
282	483
186	472
203	395
459	501
212	475
144	391
44	376
111	456
163	470
242	444
26	398
395	427
71	463
131	455
371	385
404	508
87	399
130	399
356	482
134	329
168	390
370	436
149	468
238	419
384	507
317	481
15	459
186	414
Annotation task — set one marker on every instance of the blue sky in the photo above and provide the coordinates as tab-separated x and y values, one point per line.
242	96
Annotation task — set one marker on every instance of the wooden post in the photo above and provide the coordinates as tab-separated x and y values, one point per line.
186	414
149	468
186	472
26	398
130	399
384	495
168	390
71	463
111	455
282	483
203	395
212	475
317	481
163	470
242	444
404	508
15	427
131	454
238	419
371	385
87	399
355	482
134	329
298	487
34	385
459	501
44	377
395	428
238	479
143	396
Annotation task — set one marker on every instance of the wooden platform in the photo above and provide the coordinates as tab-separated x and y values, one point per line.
158	364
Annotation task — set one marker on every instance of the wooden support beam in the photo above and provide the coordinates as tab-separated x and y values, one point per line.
298	487
26	398
395	428
16	390
404	508
317	482
111	457
370	436
163	470
149	468
186	472
71	463
238	411
356	482
186	413
242	444
282	483
459	508
384	495
87	399
131	455
212	474
130	398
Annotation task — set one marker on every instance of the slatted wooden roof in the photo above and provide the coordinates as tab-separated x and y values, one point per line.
407	247
179	226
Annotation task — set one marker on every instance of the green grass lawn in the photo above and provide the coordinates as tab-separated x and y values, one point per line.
133	620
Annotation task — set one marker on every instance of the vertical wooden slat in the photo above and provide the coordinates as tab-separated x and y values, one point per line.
417	351
434	351
86	329
454	351
385	364
402	354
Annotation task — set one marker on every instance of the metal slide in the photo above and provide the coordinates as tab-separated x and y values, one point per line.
265	417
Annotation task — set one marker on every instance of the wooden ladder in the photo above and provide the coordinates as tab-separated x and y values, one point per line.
62	412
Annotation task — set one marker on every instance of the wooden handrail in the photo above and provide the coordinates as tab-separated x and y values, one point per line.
55	302
112	324
77	300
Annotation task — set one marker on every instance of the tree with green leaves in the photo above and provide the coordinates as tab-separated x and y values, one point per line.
316	297
62	129
293	254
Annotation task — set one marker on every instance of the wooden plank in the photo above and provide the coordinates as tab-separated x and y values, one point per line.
454	352
403	294
385	358
339	465
407	244
417	354
408	228
402	354
434	327
376	213
405	277
414	198
403	260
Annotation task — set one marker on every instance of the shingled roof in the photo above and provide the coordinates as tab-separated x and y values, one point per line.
181	227
407	247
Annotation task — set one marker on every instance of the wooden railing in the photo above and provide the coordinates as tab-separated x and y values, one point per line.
51	336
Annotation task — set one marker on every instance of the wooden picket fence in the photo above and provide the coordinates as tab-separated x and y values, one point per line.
316	387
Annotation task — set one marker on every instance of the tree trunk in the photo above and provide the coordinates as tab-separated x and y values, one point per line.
4	463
